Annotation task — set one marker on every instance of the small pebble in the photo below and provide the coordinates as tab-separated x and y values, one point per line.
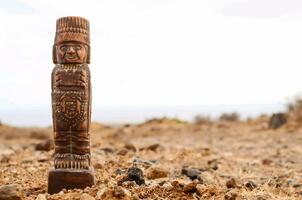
135	174
190	187
250	185
192	173
156	172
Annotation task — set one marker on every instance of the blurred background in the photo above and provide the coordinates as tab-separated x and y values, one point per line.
154	58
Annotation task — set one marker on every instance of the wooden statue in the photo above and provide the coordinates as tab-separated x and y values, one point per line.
71	106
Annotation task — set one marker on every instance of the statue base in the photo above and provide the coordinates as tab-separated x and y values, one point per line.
59	179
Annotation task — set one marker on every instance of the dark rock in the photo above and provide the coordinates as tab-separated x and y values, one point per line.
130	147
250	185
11	192
267	161
231	183
277	120
153	147
47	145
192	173
135	174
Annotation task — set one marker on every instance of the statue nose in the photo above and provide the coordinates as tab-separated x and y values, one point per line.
71	50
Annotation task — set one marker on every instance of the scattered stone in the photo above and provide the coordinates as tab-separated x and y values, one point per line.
86	196
250	185
230	196
145	163
107	150
122	152
130	147
176	183
153	147
41	197
114	194
192	173
231	183
190	187
267	162
277	120
156	172
134	174
47	145
11	192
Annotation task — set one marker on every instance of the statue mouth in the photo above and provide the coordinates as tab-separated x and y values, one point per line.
71	56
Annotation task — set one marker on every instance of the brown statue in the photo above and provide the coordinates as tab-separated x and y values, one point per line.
71	106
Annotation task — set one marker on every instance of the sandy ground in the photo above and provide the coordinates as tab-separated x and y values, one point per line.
225	160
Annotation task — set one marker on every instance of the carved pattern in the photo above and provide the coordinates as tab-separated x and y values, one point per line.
70	107
72	161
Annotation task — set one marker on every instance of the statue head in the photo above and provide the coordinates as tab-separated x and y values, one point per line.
72	41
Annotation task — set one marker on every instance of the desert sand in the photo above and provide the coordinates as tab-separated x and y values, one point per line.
170	159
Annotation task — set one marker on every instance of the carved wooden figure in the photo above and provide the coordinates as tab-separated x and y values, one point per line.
71	106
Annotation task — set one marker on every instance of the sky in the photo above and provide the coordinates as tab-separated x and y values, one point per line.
156	54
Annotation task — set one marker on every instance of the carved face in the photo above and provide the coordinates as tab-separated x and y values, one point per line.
71	52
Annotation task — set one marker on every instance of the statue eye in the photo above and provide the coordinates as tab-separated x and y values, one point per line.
77	47
64	48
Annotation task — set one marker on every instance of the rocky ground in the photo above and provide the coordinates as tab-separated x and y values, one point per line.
164	159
